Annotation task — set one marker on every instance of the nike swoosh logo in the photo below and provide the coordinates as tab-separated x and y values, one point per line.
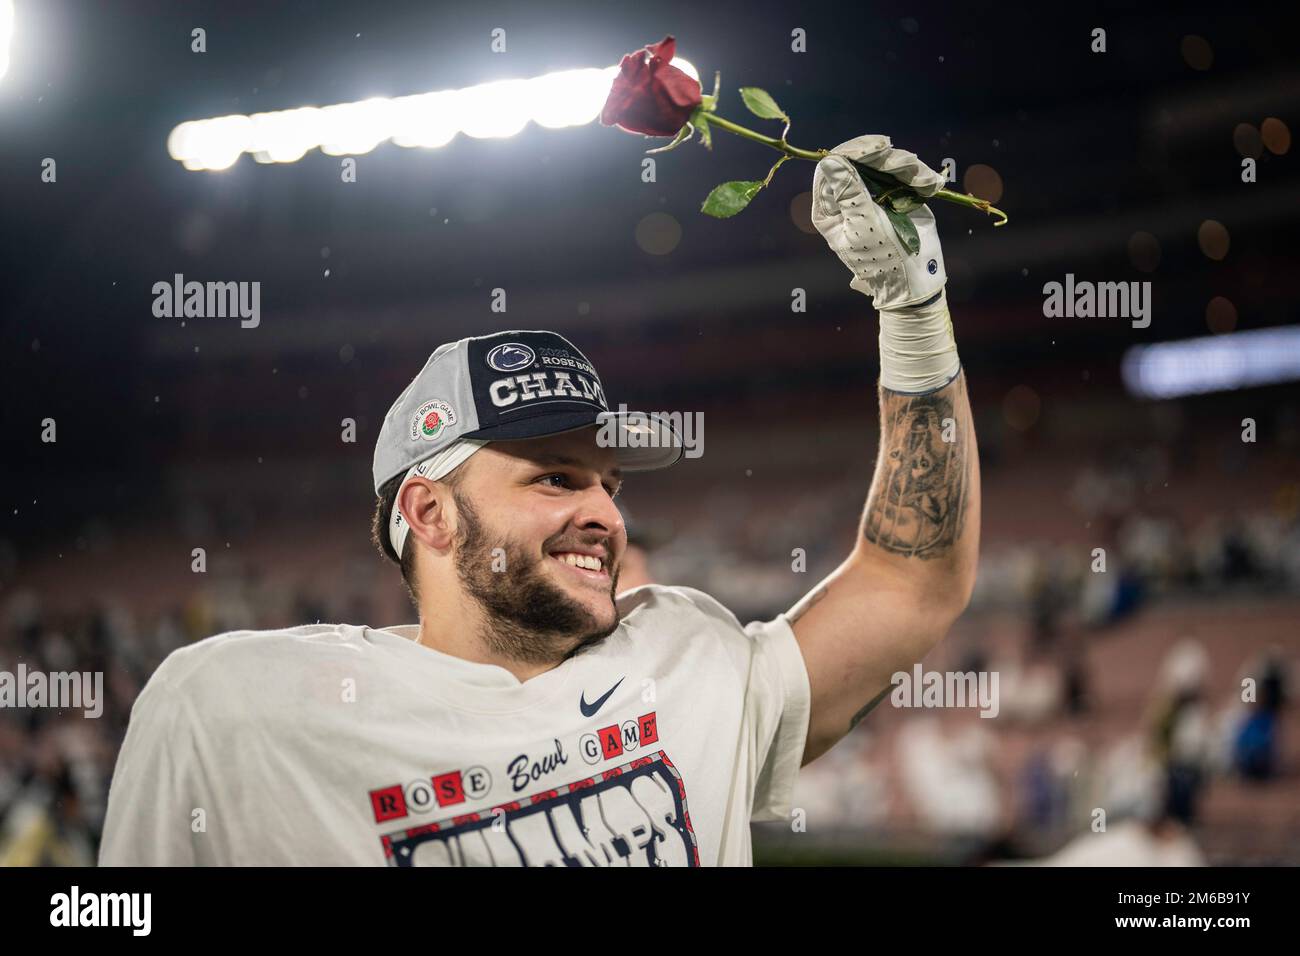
589	710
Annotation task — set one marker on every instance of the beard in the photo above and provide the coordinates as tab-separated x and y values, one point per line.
529	619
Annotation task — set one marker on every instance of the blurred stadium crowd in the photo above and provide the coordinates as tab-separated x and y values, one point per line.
1119	691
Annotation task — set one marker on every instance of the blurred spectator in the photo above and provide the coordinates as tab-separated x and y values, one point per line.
1181	727
1030	686
643	538
1255	747
948	777
1137	829
1162	842
848	788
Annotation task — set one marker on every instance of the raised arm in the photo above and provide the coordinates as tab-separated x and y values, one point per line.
912	569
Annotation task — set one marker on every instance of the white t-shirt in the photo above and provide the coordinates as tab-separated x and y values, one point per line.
332	744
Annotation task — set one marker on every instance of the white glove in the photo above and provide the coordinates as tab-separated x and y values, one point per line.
862	235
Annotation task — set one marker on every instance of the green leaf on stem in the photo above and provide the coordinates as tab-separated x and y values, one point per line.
888	191
896	199
730	198
906	230
760	103
905	201
877	182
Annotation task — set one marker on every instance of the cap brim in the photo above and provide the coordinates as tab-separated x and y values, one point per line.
645	443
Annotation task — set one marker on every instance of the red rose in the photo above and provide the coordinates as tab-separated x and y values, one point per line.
651	97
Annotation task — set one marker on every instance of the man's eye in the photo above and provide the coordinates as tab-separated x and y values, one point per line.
564	482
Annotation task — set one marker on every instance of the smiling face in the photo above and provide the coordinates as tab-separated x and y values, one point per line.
540	542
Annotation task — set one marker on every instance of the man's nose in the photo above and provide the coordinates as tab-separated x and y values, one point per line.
597	512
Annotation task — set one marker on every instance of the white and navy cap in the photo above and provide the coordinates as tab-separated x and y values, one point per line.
499	387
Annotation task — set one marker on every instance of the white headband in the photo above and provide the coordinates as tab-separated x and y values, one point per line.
433	469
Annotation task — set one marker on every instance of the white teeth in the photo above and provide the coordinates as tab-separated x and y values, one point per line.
590	562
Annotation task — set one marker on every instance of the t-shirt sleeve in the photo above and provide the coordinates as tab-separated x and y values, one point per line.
157	785
778	701
776	706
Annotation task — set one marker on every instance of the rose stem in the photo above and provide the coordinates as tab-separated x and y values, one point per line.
882	180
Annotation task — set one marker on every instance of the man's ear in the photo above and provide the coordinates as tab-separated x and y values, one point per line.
430	512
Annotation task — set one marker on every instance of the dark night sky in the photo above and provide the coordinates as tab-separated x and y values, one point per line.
1090	148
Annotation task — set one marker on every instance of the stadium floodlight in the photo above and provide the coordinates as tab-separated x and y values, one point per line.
488	110
1213	363
6	33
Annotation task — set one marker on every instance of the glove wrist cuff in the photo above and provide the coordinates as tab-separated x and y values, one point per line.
918	353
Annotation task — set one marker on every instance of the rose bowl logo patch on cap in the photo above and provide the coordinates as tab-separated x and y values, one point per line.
431	420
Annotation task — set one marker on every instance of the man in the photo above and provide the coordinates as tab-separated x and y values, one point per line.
531	718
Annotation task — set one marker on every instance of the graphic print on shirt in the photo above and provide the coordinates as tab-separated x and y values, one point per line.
631	815
419	796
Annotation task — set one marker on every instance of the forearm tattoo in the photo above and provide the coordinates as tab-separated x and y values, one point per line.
918	507
869	707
